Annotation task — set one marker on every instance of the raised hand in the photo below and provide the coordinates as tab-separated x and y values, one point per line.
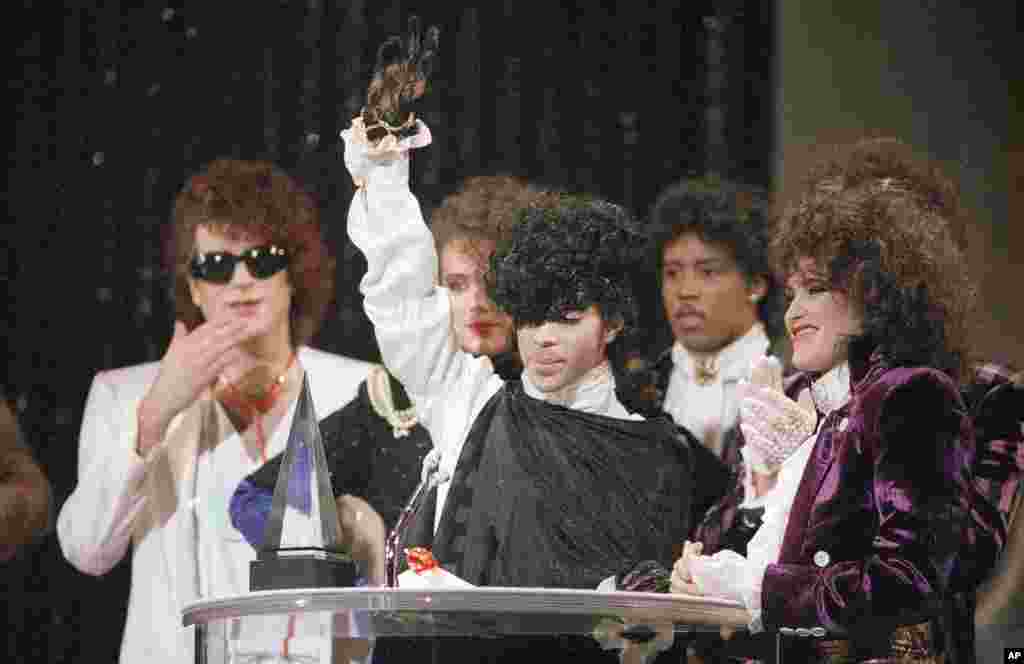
400	77
192	362
773	425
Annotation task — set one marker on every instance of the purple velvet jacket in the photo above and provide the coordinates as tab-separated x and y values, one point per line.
884	511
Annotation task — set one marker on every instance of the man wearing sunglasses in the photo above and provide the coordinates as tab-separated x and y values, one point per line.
163	445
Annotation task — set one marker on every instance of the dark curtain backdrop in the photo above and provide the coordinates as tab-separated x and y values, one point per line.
115	103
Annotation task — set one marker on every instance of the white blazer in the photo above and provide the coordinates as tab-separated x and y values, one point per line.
123	500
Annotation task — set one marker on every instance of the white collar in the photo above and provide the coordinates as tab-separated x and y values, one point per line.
733	360
832	389
593	392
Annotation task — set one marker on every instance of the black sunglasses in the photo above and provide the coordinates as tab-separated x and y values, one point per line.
219	266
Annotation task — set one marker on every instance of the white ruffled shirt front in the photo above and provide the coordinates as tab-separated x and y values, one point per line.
708	411
411	314
730	575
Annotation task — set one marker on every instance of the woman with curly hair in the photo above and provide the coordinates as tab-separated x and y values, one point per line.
862	540
467	227
164	444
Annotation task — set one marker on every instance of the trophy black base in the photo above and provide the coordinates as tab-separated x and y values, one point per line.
303	568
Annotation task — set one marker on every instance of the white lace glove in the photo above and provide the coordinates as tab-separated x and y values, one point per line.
721	575
388	159
773	425
729	575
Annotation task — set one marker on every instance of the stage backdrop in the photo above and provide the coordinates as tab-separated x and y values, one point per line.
939	75
118	102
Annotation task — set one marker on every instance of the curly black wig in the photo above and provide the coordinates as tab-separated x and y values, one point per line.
565	256
729	215
881	222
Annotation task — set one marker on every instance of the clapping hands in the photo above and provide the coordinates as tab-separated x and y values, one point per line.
773	425
192	363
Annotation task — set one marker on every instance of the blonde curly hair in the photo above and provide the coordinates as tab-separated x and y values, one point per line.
485	208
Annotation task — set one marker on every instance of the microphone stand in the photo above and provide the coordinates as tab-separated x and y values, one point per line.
431	478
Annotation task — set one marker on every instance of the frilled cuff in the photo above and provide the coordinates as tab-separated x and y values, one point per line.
362	156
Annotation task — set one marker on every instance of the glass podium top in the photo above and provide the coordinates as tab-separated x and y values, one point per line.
471	612
331	625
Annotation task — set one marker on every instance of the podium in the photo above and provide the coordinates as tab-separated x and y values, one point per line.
361	613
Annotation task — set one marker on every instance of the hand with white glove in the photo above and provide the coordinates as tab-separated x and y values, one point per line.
773	425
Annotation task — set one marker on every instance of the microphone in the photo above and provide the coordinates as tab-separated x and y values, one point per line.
432	476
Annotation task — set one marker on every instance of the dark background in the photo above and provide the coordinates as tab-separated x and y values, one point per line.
943	75
115	104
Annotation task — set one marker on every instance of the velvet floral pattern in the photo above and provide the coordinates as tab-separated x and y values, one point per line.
894	463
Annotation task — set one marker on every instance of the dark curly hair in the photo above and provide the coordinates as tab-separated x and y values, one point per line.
879	220
253	198
730	215
566	255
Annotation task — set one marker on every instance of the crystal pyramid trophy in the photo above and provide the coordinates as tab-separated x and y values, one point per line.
302	545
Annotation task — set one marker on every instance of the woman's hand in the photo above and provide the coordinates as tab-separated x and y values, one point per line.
362	533
773	425
682	579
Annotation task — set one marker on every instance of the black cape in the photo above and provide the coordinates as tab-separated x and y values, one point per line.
548	496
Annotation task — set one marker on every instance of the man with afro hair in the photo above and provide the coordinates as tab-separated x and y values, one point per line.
549	480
